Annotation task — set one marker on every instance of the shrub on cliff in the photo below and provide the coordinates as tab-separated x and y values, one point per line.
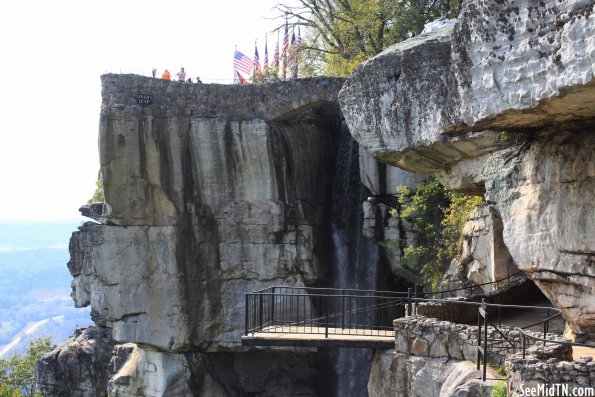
97	195
17	374
436	216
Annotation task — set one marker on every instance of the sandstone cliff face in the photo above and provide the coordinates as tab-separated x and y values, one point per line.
201	209
212	192
501	104
484	257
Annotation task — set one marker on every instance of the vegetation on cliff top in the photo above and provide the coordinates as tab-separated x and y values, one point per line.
17	374
437	217
339	35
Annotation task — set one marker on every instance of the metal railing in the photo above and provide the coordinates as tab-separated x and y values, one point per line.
499	341
325	311
328	311
475	286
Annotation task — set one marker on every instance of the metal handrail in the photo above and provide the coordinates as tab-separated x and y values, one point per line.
357	309
545	340
263	305
474	285
275	287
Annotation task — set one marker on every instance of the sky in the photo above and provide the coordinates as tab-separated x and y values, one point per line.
53	53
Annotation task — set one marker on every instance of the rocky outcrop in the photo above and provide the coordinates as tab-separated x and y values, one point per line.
543	196
484	259
210	192
403	375
78	367
201	209
501	104
435	358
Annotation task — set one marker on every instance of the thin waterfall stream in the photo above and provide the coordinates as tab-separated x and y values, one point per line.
355	262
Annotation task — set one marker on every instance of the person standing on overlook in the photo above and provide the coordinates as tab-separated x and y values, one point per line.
181	75
166	75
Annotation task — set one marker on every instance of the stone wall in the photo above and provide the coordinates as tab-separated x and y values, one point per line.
435	358
428	337
435	346
537	370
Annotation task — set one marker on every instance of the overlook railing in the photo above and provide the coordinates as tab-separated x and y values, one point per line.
330	312
325	311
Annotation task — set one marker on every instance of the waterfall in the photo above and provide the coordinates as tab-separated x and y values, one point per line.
355	261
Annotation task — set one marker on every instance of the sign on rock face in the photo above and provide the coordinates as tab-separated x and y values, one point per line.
144	99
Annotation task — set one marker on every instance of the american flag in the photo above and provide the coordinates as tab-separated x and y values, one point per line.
298	41
291	57
295	53
275	64
284	50
242	63
256	65
265	66
239	78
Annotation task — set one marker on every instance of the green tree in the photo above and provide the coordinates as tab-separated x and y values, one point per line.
340	34
98	194
17	374
437	217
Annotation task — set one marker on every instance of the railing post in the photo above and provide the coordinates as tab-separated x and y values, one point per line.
485	340
247	311
343	309
409	301
273	307
326	304
546	327
415	295
479	338
499	316
524	345
260	311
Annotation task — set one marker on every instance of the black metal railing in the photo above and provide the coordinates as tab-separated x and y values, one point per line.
496	283
328	311
325	311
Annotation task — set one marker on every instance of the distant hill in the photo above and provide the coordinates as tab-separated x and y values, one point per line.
35	285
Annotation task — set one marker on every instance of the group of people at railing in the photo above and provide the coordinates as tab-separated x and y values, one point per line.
166	75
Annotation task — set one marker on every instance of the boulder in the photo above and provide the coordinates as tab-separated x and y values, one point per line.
79	367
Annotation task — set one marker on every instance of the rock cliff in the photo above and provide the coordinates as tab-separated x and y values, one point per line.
502	104
211	192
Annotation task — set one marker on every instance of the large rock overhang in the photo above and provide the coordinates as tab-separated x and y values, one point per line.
502	104
443	97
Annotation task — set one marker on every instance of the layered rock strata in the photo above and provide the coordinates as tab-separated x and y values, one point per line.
501	104
207	197
210	192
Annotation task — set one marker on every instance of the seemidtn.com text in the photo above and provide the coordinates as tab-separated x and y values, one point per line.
557	390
